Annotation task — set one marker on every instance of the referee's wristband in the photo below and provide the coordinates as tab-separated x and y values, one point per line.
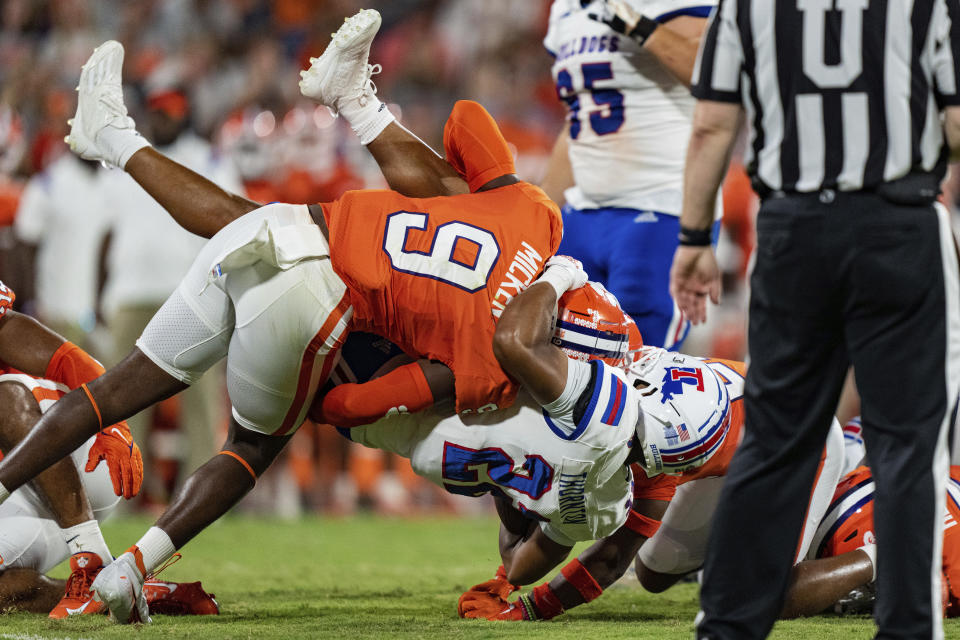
695	237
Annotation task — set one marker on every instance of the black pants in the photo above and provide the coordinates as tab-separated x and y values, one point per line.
841	279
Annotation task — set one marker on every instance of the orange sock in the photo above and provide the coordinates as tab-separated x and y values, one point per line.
474	145
72	366
352	405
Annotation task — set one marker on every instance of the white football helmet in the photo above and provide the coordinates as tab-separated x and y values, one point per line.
686	410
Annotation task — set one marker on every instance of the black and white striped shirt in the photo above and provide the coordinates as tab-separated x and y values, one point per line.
841	94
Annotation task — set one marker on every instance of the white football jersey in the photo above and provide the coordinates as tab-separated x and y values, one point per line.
569	476
629	117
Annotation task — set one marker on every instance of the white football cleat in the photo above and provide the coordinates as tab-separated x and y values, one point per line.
101	129
120	587
342	71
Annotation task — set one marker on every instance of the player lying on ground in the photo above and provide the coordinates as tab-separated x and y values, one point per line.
264	294
57	515
842	557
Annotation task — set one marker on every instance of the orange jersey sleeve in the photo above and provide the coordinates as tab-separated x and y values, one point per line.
433	274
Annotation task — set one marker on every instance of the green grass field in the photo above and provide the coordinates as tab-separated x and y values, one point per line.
369	577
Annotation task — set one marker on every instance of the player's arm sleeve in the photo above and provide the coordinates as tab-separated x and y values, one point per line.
551	41
580	379
405	389
716	74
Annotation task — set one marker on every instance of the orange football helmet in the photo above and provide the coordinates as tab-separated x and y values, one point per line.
591	325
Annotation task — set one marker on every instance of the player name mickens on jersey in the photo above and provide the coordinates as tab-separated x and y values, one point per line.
524	269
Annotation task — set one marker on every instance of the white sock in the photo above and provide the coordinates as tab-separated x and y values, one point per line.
119	145
871	550
4	494
86	536
156	548
368	120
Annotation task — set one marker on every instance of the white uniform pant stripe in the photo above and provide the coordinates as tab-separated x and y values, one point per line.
941	458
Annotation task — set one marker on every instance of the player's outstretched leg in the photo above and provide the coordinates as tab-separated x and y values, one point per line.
340	79
208	493
101	130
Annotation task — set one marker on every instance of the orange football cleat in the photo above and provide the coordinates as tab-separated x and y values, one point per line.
179	599
77	598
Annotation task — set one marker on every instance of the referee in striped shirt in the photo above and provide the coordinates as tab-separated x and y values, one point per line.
853	108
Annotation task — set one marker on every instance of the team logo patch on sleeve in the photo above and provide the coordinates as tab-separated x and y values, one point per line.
674	379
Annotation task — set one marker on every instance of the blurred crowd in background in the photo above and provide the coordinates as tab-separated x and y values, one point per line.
213	83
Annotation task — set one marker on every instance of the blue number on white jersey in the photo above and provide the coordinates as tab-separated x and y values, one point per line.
608	117
460	463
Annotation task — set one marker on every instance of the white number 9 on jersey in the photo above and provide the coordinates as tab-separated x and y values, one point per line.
439	262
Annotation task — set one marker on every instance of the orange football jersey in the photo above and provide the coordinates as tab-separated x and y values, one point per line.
848	526
433	274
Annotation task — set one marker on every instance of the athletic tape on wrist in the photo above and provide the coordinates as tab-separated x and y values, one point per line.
245	464
93	403
581	580
560	278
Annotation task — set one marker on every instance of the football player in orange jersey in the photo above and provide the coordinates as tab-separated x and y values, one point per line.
264	289
58	516
841	567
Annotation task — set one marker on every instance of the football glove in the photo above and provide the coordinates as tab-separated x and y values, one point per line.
7	296
624	19
115	445
564	273
478	595
540	604
484	605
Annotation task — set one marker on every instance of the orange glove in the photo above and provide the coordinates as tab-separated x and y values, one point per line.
492	593
116	446
484	605
540	604
7	296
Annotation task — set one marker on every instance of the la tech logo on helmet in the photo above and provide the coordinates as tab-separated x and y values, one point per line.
674	379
